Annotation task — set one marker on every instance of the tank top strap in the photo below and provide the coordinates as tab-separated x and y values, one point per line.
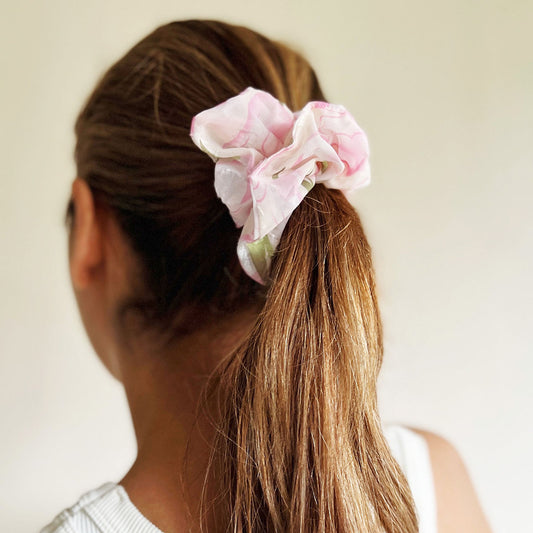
412	454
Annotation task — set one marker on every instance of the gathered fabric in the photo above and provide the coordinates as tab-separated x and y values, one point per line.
268	158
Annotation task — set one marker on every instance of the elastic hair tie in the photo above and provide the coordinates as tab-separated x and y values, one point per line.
268	158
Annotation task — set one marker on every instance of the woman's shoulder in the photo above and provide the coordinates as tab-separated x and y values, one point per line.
458	507
106	509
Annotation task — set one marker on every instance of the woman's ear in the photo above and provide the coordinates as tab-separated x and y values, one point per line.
85	242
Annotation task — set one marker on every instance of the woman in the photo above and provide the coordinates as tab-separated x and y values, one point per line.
250	376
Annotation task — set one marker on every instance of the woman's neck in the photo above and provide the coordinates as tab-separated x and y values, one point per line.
173	427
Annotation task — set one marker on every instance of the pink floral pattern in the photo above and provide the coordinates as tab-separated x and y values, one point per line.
268	158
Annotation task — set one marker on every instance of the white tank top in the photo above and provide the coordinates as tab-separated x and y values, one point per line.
108	509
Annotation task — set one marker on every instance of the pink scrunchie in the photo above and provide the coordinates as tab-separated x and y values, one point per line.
268	158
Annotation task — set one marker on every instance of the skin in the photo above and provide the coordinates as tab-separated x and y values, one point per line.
458	507
163	387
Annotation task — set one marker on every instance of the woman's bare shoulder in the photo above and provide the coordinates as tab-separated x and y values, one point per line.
458	506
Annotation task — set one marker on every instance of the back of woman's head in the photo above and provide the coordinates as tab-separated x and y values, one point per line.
134	150
299	445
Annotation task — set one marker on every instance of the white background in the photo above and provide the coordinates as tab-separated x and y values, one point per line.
444	91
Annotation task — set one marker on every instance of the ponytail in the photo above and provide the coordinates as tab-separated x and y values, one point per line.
299	442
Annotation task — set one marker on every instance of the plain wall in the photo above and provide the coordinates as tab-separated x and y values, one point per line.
444	91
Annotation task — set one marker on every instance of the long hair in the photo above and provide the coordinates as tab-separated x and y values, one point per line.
299	445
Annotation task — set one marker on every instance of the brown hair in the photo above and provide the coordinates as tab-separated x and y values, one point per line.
299	444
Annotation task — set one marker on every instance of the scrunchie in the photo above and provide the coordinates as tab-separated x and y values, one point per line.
268	158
